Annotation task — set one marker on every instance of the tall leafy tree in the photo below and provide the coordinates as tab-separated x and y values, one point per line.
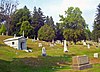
38	20
26	27
17	18
46	33
73	24
96	25
7	7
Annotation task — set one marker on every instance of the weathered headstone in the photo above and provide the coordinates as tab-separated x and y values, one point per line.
43	51
80	62
84	43
33	39
88	46
40	45
98	39
62	43
2	34
37	39
51	45
96	55
65	46
14	35
58	42
27	37
53	41
29	50
7	33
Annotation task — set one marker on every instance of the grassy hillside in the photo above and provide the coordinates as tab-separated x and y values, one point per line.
12	60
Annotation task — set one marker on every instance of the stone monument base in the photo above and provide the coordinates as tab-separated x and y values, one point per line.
81	67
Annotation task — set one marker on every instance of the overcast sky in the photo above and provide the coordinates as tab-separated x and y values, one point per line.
55	7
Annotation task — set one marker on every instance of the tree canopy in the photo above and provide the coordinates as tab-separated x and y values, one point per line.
73	24
96	25
46	33
26	27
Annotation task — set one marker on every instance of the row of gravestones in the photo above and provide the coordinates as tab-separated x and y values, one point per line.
52	45
78	62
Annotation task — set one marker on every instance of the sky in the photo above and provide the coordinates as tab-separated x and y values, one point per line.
55	8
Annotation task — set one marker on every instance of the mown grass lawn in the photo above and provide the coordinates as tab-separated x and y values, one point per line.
12	60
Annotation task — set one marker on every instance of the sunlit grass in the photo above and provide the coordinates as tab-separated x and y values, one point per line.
55	61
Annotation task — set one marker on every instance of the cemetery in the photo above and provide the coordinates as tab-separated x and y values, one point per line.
64	38
49	59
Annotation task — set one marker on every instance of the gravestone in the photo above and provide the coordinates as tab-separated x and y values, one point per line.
58	42
37	39
40	45
53	41
7	33
96	55
80	62
33	40
14	35
88	46
27	37
65	46
51	45
43	51
84	43
99	40
2	34
62	43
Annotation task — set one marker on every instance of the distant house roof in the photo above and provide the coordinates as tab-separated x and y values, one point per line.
15	38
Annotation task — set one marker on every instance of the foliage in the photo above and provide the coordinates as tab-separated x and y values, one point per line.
37	20
17	18
96	25
88	34
73	21
59	32
27	28
46	33
73	35
2	29
50	21
56	61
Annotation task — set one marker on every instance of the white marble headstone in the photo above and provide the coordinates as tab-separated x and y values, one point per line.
84	43
52	41
51	45
65	46
88	46
96	55
37	39
2	34
43	51
40	45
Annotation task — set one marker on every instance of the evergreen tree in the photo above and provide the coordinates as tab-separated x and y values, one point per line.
17	18
59	32
38	20
96	26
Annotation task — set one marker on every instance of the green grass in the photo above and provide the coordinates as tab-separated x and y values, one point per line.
55	61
